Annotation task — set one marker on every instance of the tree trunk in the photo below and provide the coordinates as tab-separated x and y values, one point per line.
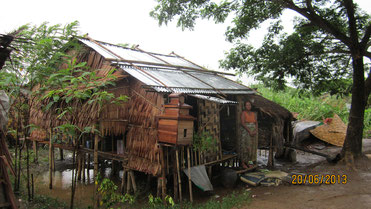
353	140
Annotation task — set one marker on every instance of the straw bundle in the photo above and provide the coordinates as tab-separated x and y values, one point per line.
334	132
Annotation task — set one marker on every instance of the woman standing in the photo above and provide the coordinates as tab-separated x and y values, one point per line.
249	135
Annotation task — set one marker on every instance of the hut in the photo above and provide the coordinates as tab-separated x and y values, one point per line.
179	114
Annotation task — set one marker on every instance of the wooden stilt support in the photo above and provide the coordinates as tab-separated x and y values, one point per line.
132	177
128	185
158	186
53	158
96	141
189	176
177	168
175	179
79	166
50	161
122	188
35	150
88	168
61	157
270	157
163	173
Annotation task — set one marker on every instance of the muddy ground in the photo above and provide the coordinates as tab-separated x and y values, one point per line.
355	193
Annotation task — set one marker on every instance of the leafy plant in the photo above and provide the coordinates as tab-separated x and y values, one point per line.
204	142
109	194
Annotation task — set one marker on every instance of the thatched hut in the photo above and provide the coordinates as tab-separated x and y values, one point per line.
131	130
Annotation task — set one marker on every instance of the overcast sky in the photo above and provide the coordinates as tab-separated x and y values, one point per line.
128	21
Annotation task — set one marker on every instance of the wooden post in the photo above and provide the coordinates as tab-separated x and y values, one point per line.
175	181
79	166
35	150
53	158
61	154
128	186
270	156
88	168
189	175
133	181
163	173
122	188
50	160
177	168
96	141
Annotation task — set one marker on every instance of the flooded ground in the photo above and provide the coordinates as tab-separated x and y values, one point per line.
309	196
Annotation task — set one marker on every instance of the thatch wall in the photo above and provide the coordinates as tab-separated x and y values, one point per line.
141	140
88	114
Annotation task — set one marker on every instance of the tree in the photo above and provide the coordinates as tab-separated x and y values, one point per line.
324	53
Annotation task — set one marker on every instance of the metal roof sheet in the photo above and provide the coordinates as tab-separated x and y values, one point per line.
137	55
191	82
167	73
213	99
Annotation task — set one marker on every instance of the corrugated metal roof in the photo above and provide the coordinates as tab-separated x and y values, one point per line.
138	55
189	82
213	99
167	73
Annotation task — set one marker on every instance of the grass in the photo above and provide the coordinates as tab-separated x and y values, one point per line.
315	108
234	200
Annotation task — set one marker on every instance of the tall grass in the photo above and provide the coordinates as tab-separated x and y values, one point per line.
314	108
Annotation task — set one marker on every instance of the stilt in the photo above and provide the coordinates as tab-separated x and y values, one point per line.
88	168
128	185
61	157
122	188
50	161
270	157
35	150
83	167
177	169
132	177
189	175
158	186
175	178
53	158
163	173
79	166
96	141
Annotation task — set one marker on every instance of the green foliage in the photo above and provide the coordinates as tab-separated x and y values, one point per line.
156	202
312	107
109	194
204	142
234	200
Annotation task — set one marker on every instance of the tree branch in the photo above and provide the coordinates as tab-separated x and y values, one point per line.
316	20
349	6
365	39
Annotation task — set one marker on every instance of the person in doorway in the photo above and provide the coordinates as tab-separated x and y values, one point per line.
249	136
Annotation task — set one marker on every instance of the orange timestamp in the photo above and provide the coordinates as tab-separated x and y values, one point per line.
319	179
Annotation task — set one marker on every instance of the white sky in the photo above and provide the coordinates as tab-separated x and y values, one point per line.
128	21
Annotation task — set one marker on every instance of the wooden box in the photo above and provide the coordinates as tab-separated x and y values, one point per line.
175	126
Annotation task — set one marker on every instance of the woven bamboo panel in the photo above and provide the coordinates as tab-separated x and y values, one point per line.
333	132
209	121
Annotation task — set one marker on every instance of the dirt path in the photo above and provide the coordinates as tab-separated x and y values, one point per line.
356	193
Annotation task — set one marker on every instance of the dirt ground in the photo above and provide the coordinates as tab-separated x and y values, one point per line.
355	193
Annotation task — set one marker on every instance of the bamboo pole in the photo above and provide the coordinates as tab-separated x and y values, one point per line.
163	173
50	160
270	156
96	144
53	158
179	180
35	150
122	188
175	182
61	157
189	176
128	186
133	181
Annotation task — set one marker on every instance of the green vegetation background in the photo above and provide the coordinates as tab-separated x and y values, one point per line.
315	108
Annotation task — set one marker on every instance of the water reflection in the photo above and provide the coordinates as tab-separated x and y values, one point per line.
62	181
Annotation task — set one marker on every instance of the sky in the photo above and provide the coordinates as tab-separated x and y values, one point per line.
128	21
